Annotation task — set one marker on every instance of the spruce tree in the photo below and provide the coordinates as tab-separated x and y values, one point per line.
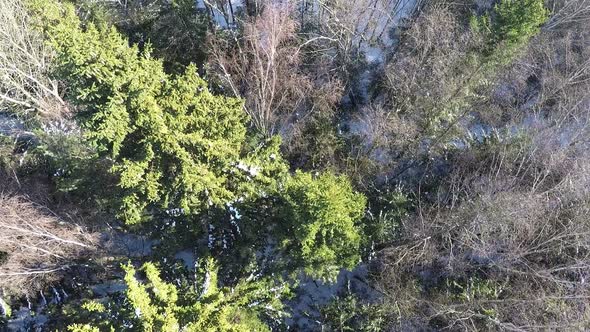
322	214
172	143
157	306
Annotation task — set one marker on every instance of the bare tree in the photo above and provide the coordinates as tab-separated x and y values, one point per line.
263	68
568	13
504	244
343	29
38	246
24	65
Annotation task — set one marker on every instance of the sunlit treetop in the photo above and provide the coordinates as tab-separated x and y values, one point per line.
173	144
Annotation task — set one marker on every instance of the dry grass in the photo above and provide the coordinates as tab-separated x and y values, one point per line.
40	247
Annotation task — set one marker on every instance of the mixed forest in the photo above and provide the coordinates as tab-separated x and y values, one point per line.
294	165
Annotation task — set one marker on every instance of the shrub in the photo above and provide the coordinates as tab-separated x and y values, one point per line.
512	23
321	222
349	313
502	243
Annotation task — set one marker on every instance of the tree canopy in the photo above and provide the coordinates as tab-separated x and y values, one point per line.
156	305
173	144
322	217
301	165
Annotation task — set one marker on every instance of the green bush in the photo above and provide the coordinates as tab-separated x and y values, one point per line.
512	22
388	209
174	28
321	217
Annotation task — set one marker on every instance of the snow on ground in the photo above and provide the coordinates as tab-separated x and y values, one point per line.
26	320
9	125
310	295
221	15
374	36
187	257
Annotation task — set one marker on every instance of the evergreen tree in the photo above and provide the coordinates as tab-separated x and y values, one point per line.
322	214
156	305
172	143
512	23
518	21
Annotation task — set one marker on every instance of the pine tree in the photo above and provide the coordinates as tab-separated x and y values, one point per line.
518	21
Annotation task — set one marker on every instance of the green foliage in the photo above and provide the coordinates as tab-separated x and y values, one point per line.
94	310
319	143
478	294
173	143
517	21
82	328
500	36
6	310
153	317
473	289
513	22
7	147
322	214
3	257
178	34
349	313
74	166
174	28
102	314
387	211
159	306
